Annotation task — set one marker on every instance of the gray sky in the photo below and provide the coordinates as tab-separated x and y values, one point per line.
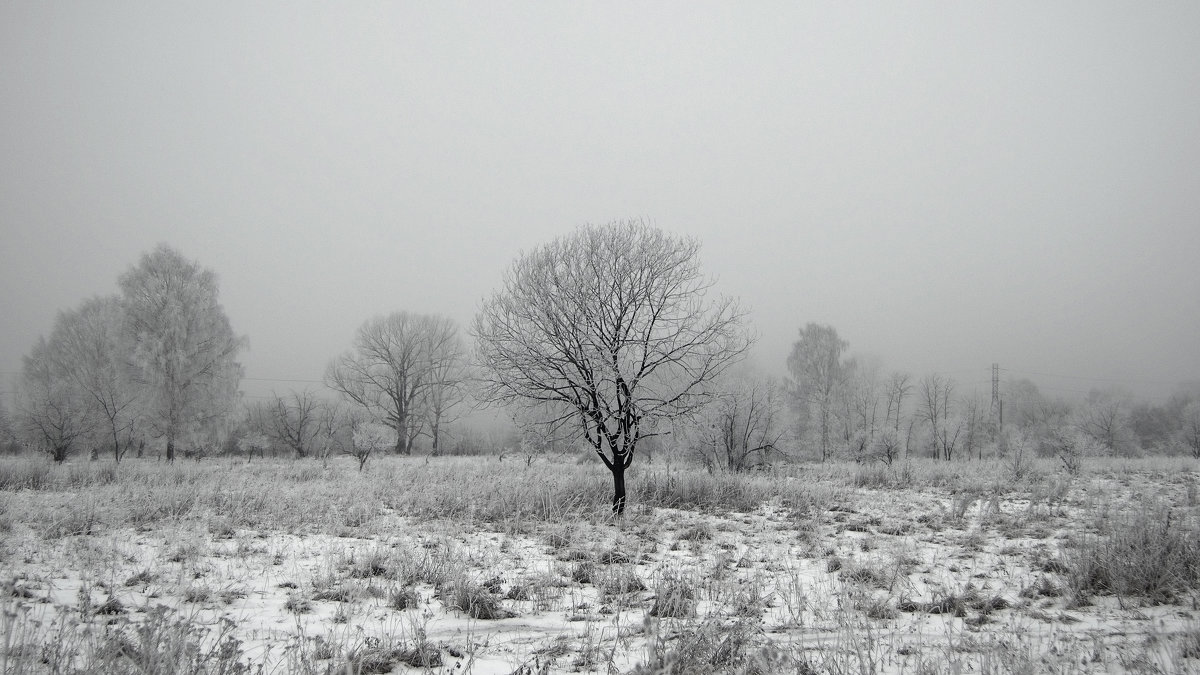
948	184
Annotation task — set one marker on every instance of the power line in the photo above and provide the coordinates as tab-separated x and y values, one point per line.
1093	379
281	379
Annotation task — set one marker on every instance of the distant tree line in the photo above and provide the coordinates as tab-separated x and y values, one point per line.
832	406
603	341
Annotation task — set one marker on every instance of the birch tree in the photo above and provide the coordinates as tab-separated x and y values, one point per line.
818	373
614	327
183	351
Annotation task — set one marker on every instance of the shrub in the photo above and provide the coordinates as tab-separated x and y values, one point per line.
1151	554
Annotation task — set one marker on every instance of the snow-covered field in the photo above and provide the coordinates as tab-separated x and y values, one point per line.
480	566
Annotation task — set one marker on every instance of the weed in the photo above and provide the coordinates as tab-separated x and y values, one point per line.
618	581
404	597
583	572
473	599
297	604
674	597
713	646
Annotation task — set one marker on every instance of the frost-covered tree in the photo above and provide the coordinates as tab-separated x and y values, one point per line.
818	373
183	351
93	356
1104	418
613	327
51	414
369	438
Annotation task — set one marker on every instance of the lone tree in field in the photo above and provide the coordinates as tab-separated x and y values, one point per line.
183	351
611	327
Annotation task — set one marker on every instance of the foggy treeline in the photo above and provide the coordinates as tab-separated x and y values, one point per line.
155	370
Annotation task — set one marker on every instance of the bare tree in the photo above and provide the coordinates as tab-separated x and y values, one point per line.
293	421
252	442
50	412
885	446
817	375
6	429
446	390
743	426
860	401
334	430
614	325
898	388
392	367
182	348
1190	431
975	425
936	395
1104	418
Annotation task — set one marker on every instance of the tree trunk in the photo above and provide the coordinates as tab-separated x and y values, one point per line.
435	429
618	472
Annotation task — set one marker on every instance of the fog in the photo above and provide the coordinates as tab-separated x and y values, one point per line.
948	184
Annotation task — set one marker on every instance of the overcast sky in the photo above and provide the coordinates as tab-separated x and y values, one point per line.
947	184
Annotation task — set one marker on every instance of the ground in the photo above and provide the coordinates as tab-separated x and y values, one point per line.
480	566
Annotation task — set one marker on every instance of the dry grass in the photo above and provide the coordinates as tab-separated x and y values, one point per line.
921	567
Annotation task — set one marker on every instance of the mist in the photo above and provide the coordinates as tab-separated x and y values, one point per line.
949	186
